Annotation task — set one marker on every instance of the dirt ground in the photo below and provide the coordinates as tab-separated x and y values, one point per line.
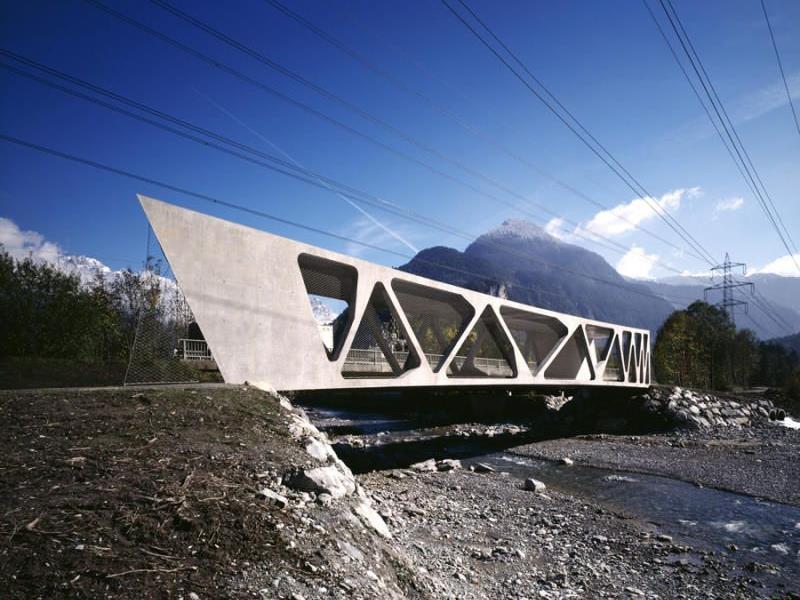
123	493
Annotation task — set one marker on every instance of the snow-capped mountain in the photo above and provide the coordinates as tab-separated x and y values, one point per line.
521	261
519	229
85	268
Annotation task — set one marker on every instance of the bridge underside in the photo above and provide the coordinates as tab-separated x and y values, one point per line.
296	317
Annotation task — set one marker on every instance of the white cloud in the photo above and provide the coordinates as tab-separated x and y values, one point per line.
782	266
555	226
729	204
26	244
627	216
637	264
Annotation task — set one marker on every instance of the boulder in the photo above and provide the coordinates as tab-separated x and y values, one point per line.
323	480
425	465
448	464
319	450
371	518
534	485
482	468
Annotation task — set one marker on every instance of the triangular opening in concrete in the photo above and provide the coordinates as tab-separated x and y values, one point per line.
437	318
626	349
331	289
536	336
380	347
486	351
633	365
613	370
599	339
573	360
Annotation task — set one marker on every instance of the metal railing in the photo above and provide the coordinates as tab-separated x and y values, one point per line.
374	359
194	349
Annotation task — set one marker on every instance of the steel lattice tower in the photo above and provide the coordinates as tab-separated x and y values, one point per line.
728	285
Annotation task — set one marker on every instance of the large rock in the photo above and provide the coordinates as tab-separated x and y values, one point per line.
372	518
448	464
425	465
534	485
323	480
319	450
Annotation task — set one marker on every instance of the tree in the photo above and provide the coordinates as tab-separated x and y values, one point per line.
700	347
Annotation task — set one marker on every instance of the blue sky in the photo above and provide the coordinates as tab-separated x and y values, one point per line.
604	60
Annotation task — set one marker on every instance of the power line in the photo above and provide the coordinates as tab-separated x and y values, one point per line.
260	57
284	167
314	179
754	322
596	148
280	95
450	114
277	219
728	285
775	328
761	301
698	96
727	124
780	66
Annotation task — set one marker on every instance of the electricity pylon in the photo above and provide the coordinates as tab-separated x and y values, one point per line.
728	285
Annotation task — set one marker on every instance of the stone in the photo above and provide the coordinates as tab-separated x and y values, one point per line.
372	518
321	480
448	464
663	537
425	465
483	468
318	450
567	461
534	485
273	497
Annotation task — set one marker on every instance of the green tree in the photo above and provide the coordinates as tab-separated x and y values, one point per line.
700	347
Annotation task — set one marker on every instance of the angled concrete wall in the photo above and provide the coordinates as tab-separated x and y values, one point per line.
249	291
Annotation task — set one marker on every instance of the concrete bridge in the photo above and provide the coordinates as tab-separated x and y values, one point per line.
254	294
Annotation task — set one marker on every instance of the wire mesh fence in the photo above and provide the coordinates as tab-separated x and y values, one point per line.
164	326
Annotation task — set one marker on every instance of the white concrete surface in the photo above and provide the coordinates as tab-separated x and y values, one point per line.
247	293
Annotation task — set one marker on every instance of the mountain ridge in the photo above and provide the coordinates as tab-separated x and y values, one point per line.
538	269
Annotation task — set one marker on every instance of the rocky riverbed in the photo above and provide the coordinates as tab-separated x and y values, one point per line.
230	492
704	508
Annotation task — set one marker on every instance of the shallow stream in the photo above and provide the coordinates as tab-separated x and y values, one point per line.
754	533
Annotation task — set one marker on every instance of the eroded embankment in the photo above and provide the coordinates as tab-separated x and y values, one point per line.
221	492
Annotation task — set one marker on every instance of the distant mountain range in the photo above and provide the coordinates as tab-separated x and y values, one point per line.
522	262
779	296
790	342
535	268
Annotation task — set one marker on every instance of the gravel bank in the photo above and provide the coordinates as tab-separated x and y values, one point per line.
484	536
759	461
